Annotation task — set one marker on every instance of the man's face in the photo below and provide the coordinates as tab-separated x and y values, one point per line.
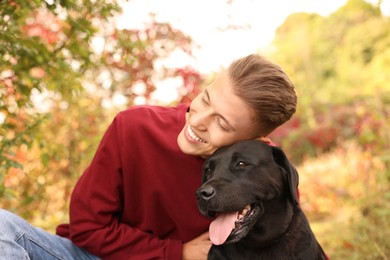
217	118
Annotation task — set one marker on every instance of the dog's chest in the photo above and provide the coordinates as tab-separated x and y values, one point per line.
232	252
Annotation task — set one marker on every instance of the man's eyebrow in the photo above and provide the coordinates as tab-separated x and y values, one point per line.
207	94
222	117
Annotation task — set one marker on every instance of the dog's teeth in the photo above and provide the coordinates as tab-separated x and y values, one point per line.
244	211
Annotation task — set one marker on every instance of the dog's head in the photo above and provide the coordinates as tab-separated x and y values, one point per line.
237	180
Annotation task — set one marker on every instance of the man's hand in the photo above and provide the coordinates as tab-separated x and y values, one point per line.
198	248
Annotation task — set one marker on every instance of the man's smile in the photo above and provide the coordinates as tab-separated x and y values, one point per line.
193	136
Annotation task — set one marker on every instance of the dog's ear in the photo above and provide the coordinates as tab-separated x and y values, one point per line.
292	174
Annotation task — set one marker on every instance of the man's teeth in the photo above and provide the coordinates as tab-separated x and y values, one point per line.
194	136
243	212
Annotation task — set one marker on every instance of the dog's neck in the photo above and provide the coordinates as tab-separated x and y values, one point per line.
273	225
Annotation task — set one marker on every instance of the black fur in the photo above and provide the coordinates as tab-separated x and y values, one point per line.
254	173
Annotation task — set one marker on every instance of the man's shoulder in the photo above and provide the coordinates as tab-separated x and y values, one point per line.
150	115
150	110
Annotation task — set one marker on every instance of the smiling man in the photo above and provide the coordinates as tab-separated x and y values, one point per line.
217	117
136	200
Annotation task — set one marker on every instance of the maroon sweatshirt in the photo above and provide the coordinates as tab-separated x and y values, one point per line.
136	200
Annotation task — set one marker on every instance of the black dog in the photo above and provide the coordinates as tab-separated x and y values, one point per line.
251	190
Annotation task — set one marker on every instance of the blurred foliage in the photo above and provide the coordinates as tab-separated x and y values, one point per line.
346	197
341	68
338	58
64	66
45	50
340	136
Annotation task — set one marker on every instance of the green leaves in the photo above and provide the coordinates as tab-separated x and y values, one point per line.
336	58
44	48
54	87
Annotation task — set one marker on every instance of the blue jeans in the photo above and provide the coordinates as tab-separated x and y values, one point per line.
19	240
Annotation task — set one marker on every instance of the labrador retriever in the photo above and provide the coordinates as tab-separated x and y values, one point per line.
250	188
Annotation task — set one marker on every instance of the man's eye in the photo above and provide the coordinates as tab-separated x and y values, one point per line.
241	164
221	125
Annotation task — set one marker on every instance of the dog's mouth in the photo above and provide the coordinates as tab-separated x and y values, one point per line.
231	227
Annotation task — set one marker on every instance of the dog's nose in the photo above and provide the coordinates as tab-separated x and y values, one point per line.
207	192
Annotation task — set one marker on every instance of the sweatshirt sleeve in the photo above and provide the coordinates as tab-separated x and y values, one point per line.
96	206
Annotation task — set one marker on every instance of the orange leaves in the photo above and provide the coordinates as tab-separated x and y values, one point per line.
342	192
13	178
41	31
37	72
43	25
345	175
16	175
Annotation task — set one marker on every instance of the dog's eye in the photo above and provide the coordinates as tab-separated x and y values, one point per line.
241	164
208	171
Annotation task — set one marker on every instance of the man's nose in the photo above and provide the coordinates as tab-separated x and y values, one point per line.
201	119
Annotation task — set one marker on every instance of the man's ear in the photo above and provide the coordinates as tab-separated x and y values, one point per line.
292	174
264	140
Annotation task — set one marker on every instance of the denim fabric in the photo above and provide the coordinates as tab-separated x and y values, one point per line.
19	240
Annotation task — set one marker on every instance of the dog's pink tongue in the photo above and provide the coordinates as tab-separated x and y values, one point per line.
221	227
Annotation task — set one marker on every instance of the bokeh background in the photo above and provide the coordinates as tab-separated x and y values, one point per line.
67	67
